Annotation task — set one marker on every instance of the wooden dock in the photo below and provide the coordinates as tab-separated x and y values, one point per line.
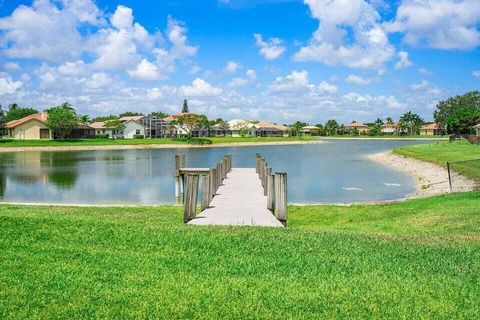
239	200
232	196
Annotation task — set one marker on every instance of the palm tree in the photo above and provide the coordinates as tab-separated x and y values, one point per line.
331	127
389	120
410	122
84	118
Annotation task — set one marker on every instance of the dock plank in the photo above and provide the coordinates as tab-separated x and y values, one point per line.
239	201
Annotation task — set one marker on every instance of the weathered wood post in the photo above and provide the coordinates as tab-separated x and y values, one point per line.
211	173
229	163
205	191
225	168
281	197
257	162
179	183
268	171
191	197
219	174
271	192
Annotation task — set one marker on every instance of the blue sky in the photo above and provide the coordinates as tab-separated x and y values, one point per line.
275	60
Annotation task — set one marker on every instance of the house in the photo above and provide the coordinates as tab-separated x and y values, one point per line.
268	129
175	130
391	128
34	127
432	129
219	131
360	127
311	130
133	126
241	127
477	128
102	129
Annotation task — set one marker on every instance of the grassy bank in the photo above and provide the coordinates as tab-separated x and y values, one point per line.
386	136
442	152
418	259
10	143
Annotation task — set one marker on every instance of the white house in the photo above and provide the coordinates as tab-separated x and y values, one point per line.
239	127
477	127
132	128
101	129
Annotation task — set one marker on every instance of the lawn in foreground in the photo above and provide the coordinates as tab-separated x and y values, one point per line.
10	143
442	152
418	259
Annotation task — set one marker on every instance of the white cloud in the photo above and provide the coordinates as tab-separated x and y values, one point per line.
200	88
358	80
476	74
326	87
48	31
419	86
8	86
11	66
195	69
271	49
231	67
76	68
440	24
403	61
145	71
249	79
370	47
98	81
424	71
295	81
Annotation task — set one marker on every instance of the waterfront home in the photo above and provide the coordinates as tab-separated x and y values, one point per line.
102	129
477	128
239	127
132	128
311	130
360	127
269	129
34	127
431	129
219	131
391	128
175	130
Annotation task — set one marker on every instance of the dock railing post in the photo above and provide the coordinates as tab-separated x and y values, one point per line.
268	171
271	192
211	173
281	197
257	162
205	191
219	174
191	197
179	179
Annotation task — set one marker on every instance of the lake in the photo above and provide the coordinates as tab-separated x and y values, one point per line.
333	172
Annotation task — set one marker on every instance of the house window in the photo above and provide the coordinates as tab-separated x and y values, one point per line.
137	131
44	133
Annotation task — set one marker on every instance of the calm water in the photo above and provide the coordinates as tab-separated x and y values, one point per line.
330	172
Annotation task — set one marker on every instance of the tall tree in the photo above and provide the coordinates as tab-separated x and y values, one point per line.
411	122
85	118
16	112
130	114
2	122
297	128
458	114
191	122
159	114
389	120
331	127
185	107
61	120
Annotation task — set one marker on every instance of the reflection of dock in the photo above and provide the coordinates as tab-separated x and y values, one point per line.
233	196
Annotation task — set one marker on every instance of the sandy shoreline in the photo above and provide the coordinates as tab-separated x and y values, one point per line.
430	179
155	146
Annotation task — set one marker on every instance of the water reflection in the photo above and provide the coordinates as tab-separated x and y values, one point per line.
332	172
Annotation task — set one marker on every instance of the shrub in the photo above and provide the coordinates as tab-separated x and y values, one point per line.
473	139
138	136
199	141
102	136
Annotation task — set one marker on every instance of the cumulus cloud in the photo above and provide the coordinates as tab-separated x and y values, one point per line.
145	71
476	74
271	49
424	71
249	79
330	44
403	61
358	80
231	67
200	88
440	24
295	81
8	86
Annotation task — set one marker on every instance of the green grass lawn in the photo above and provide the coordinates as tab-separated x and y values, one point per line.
442	152
417	259
94	142
385	136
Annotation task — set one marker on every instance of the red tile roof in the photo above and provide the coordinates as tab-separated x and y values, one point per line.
431	126
41	117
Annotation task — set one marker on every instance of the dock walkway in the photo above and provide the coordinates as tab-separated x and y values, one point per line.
238	201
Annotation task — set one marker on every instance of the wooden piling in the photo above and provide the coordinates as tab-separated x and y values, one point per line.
281	197
191	197
219	174
268	171
211	174
205	191
270	192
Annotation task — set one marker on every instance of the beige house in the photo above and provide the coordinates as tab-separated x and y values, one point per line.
311	130
362	128
32	127
391	128
268	129
431	130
